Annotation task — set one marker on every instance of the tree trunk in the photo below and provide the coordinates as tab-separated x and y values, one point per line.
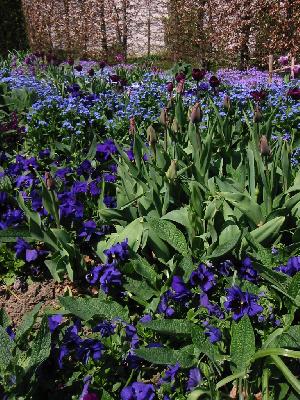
103	29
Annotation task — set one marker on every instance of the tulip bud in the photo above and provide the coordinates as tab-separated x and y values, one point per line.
170	87
196	114
151	135
264	148
180	87
227	103
180	77
171	174
214	81
164	116
49	181
132	126
198	74
257	115
91	72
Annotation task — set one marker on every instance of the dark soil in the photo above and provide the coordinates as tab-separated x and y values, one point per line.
17	303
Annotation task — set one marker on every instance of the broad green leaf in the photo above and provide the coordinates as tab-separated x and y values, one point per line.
269	231
166	356
88	308
10	235
289	339
242	346
143	268
4	318
171	326
6	346
187	266
246	205
180	216
228	240
41	345
28	322
168	232
106	395
140	289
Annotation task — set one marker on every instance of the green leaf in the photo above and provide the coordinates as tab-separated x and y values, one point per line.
10	235
171	326
168	232
4	318
289	339
88	308
269	231
41	345
246	205
165	356
242	346
28	322
187	266
180	216
143	268
106	395
228	240
140	289
6	346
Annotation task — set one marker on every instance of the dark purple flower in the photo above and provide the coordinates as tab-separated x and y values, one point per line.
85	168
80	187
91	72
94	189
247	271
44	153
110	277
114	78
203	277
146	318
292	266
164	307
198	74
104	150
225	267
213	333
89	348
102	64
10	333
170	374
110	201
109	177
78	68
258	95
214	81
93	276
61	173
194	378
241	303
138	391
132	336
90	231
54	321
116	253
179	290
90	396
105	328
213	309
20	247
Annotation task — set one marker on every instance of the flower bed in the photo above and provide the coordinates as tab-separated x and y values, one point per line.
172	200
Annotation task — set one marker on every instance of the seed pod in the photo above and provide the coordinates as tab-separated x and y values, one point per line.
264	147
227	103
164	116
49	181
132	126
196	114
257	115
171	174
151	135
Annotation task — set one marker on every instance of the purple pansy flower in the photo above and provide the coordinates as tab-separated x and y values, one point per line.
138	391
194	378
203	277
241	303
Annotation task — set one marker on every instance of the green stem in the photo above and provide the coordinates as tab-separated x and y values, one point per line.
292	380
265	384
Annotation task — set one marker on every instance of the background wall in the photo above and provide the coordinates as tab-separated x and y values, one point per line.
234	32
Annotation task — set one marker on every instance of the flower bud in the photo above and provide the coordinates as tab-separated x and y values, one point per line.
198	74
264	147
151	135
164	116
180	87
257	115
102	64
175	126
214	81
132	126
180	77
91	72
294	93
170	87
196	114
49	181
227	103
171	174
283	60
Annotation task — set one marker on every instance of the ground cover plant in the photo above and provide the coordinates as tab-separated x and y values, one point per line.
172	199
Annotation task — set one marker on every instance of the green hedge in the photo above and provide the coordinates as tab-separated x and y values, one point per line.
12	26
